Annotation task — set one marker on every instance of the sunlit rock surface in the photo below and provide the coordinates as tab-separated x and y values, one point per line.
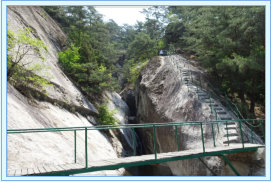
51	148
161	97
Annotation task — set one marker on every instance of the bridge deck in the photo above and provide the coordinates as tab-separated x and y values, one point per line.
109	164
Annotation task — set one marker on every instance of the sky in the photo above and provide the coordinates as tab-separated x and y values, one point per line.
122	14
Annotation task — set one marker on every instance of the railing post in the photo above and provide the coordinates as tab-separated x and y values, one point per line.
74	146
251	133
262	129
227	133
154	142
210	98
86	147
213	134
230	164
177	138
216	120
241	133
202	137
134	144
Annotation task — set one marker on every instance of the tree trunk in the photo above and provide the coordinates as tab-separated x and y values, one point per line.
252	97
242	97
252	107
244	106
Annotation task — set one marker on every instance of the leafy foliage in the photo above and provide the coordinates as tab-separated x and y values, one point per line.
90	76
229	42
106	117
132	69
69	59
18	47
142	47
93	49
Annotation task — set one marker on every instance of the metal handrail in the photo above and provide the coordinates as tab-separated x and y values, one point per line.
123	126
232	107
154	126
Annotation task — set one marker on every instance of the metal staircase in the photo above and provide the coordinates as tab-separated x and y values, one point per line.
230	132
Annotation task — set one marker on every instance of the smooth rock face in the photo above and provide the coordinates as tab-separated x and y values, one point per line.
162	96
52	148
116	104
32	149
121	113
47	30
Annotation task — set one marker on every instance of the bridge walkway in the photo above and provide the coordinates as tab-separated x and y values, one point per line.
110	164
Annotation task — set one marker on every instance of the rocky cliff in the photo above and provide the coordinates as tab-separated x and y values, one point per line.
164	93
63	106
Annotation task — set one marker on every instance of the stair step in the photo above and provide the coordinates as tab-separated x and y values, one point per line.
232	134
231	138
230	141
229	118
230	124
231	128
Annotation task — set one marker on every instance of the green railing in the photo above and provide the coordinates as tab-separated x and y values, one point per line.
153	126
226	102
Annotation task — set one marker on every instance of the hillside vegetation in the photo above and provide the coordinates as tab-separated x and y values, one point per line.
229	42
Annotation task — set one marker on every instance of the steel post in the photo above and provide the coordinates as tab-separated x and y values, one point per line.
177	138
251	133
134	142
154	142
227	129
213	133
202	137
241	132
74	146
262	128
86	147
230	164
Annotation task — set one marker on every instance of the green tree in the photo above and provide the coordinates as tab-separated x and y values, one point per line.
229	42
142	47
93	49
19	71
106	117
69	60
21	45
